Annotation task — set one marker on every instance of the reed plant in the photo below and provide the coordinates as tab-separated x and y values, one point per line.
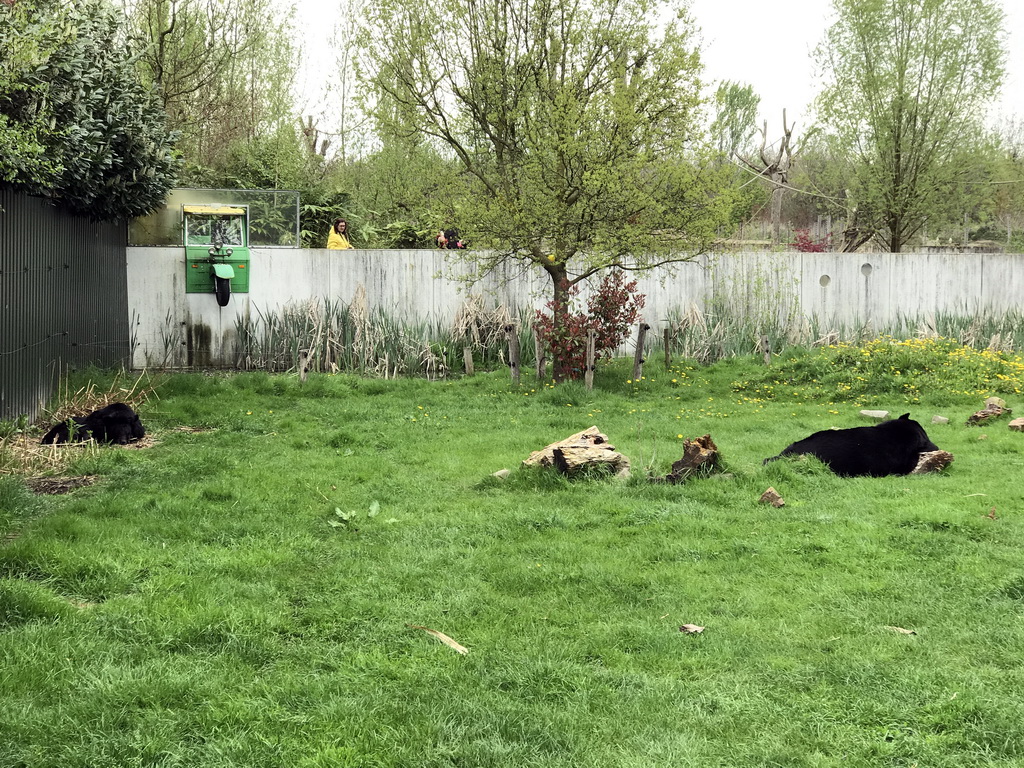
338	337
722	331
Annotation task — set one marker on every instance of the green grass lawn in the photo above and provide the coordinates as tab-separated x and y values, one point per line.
196	606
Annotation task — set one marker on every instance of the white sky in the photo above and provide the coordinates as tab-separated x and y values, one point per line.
765	44
770	46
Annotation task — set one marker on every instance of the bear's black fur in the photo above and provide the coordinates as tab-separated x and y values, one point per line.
889	448
115	423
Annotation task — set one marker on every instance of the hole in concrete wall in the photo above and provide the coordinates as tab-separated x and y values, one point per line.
824	280
866	270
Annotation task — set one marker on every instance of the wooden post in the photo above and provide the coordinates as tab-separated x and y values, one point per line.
513	352
303	365
766	350
668	353
467	358
538	349
588	377
638	357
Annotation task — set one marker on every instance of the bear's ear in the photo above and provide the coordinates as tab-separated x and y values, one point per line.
905	416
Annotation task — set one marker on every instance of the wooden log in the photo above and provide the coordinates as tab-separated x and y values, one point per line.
303	365
513	352
538	349
588	377
467	359
638	357
589	448
766	349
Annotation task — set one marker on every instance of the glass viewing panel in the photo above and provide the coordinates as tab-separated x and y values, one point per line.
206	227
273	217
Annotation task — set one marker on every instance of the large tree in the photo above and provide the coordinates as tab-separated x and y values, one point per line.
224	72
906	81
735	120
575	125
81	128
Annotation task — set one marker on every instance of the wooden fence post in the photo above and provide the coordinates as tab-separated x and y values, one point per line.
638	357
467	358
766	350
303	365
588	377
538	348
513	352
668	353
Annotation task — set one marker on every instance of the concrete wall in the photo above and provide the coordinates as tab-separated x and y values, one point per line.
175	328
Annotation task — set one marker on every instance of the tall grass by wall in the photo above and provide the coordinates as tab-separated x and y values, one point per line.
720	332
353	337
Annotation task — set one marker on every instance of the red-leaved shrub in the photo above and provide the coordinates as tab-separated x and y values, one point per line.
807	244
611	310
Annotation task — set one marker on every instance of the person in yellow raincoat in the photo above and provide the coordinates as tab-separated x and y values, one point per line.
338	240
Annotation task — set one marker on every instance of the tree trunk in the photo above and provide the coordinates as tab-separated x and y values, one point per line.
560	366
538	349
894	235
777	209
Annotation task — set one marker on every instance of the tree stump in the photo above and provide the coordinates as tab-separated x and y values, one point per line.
699	456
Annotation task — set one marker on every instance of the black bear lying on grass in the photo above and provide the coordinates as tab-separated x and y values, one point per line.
115	423
889	448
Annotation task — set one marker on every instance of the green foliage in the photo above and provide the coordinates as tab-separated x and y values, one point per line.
349	520
907	80
85	132
402	190
736	119
574	126
225	73
26	41
888	369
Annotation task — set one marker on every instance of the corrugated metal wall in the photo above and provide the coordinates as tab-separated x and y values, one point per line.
63	299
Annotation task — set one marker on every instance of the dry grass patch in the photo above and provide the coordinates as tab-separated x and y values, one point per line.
22	454
132	392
